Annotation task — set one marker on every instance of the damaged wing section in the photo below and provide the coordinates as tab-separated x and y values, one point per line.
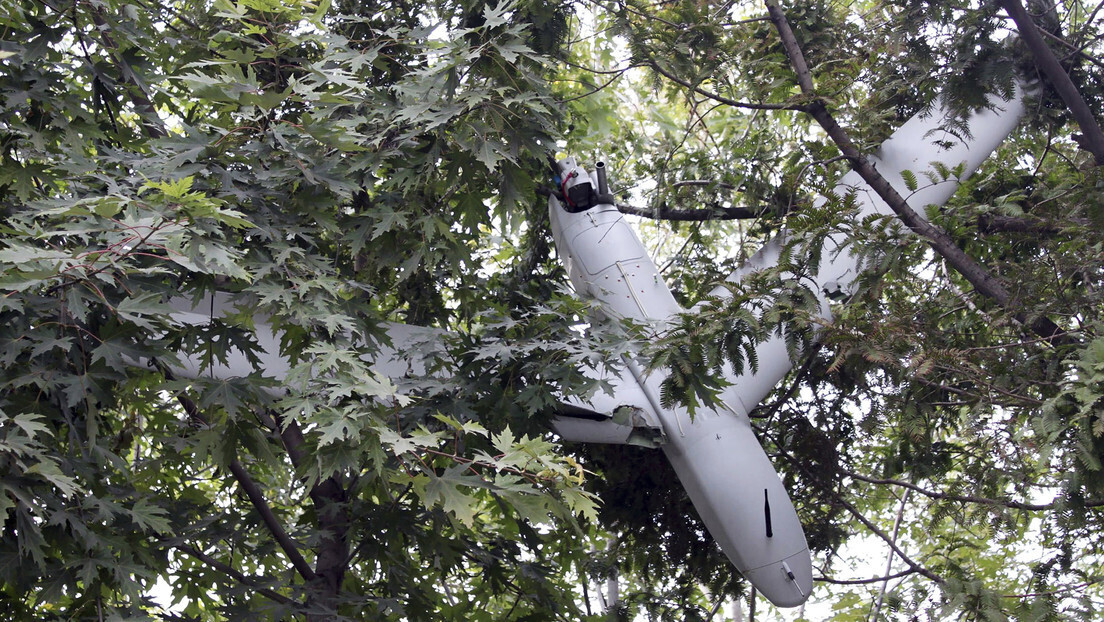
622	416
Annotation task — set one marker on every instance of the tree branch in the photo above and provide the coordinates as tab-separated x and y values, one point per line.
329	497
1049	66
593	90
702	182
229	571
607	72
151	121
996	223
1079	52
889	560
984	283
714	212
896	575
931	494
767	412
915	567
256	497
792	48
715	96
1064	590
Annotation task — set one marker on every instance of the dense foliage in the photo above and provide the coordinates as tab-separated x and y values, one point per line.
333	166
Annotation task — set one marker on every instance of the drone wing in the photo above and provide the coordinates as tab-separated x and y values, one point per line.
622	416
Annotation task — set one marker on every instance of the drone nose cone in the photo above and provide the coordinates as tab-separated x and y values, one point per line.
786	583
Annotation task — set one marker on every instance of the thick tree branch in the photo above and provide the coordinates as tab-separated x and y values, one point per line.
984	283
792	48
256	497
1049	66
329	498
715	212
252	582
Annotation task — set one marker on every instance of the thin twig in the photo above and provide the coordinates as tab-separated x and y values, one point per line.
715	96
594	90
1014	505
709	183
916	567
896	575
229	571
889	559
913	565
1065	590
599	71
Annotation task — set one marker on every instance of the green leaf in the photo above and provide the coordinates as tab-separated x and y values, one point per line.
150	518
910	180
29	423
447	492
144	310
119	353
51	473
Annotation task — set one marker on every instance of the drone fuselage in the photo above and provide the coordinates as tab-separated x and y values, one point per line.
715	454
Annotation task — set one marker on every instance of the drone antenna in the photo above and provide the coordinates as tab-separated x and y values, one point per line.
603	184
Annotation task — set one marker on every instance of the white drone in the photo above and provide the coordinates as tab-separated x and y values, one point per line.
724	470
